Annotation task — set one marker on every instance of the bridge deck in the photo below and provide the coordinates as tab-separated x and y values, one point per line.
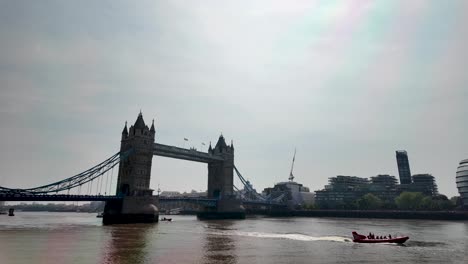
185	154
57	197
83	198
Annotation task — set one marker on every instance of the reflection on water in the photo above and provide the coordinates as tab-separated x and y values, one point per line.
128	243
219	248
57	238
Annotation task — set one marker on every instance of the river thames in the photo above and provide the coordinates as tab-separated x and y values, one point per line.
43	237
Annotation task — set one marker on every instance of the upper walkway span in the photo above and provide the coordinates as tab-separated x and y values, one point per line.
185	154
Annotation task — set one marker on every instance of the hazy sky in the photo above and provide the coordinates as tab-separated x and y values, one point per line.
345	82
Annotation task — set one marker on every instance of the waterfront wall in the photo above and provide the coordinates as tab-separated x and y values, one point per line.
390	214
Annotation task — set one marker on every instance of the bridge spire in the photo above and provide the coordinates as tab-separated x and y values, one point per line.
125	131
152	127
140	123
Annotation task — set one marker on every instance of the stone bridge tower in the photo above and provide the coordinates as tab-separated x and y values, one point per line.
220	174
135	171
133	183
221	184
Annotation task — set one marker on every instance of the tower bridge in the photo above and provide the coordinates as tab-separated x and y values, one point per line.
134	200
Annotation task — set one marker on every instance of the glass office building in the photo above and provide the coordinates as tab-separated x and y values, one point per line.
462	181
403	167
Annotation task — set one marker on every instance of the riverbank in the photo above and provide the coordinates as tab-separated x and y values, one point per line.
383	214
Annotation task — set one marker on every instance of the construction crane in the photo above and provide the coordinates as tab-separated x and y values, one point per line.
291	176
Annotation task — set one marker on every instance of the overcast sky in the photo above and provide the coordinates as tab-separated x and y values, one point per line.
345	82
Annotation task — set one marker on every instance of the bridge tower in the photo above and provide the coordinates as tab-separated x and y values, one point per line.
221	184
133	183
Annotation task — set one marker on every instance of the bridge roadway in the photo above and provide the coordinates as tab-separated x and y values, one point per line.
77	198
88	198
185	154
56	197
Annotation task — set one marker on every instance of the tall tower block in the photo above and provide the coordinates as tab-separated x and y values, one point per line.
403	167
138	203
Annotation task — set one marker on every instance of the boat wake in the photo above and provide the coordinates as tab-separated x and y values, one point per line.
414	243
298	237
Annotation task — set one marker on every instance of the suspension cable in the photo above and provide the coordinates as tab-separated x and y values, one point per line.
105	186
110	185
79	179
102	182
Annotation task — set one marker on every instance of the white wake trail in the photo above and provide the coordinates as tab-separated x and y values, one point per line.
299	237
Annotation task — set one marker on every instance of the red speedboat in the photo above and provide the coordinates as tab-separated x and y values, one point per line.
363	239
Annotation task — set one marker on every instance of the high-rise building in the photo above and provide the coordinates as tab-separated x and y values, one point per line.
425	184
462	182
403	167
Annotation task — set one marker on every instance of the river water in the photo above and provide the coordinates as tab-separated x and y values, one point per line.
43	237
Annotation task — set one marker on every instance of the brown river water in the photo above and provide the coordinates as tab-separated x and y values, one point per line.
42	237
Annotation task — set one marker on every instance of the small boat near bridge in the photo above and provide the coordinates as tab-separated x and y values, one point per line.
358	238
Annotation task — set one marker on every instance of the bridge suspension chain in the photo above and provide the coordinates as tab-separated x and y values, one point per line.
258	197
248	186
77	180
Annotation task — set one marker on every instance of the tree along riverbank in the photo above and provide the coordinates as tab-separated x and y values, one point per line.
387	214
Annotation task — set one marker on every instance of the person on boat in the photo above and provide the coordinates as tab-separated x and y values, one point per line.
369	236
389	236
385	237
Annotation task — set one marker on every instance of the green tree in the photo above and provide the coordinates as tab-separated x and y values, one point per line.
456	201
409	200
428	204
369	202
438	202
310	206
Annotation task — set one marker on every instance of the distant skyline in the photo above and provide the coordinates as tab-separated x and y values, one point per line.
346	83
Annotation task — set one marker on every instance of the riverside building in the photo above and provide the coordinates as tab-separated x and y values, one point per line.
293	193
425	184
403	167
341	191
462	182
384	186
